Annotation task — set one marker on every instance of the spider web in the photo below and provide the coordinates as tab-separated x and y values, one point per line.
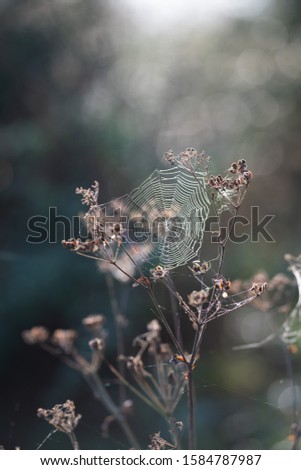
290	330
166	215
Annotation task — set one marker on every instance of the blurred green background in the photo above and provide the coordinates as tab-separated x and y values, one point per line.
100	90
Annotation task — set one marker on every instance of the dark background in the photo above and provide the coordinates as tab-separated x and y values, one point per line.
100	90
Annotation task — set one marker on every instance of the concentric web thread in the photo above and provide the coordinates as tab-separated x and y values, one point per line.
166	215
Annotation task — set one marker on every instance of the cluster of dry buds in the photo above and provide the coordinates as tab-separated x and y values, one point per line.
239	176
61	343
190	159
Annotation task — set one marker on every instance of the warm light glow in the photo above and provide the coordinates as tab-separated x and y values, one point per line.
166	13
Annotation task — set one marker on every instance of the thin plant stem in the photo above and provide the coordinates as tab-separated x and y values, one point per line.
119	334
102	395
191	410
159	409
175	311
73	440
290	374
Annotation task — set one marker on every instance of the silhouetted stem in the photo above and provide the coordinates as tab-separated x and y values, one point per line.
119	334
73	440
102	395
191	411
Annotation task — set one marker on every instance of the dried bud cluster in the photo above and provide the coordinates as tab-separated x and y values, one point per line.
64	339
197	298
90	195
242	177
189	158
37	334
94	321
158	273
158	443
258	289
222	284
62	417
88	246
200	268
97	344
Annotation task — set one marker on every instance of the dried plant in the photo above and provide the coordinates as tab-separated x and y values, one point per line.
212	293
63	418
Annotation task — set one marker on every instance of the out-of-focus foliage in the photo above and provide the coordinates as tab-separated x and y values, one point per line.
87	92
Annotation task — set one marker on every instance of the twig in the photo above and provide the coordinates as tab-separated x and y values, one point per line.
119	334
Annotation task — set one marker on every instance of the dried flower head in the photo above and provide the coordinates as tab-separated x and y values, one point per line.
90	195
258	289
222	284
37	334
154	327
197	298
190	158
64	339
62	417
94	321
158	273
97	344
127	407
158	443
200	268
170	157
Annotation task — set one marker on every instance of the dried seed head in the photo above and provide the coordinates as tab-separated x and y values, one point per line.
200	268
154	327
97	344
258	289
37	334
188	154
247	175
62	417
179	425
158	272
222	284
197	298
90	195
127	407
233	168
158	443
169	157
94	321
64	339
71	244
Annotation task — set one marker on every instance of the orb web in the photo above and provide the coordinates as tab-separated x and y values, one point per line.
167	214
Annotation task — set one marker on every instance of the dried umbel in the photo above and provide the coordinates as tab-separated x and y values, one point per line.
278	291
229	189
197	298
158	443
190	158
238	176
37	334
62	417
163	383
94	322
199	268
97	344
64	339
158	273
90	195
